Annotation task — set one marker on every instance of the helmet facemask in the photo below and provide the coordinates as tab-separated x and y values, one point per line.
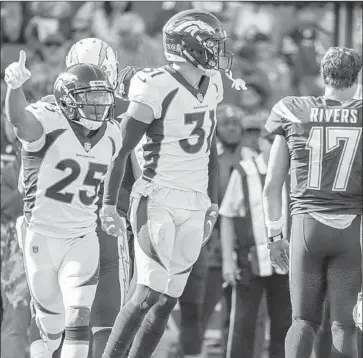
208	54
90	106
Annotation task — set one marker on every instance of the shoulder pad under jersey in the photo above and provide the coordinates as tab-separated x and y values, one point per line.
147	87
48	114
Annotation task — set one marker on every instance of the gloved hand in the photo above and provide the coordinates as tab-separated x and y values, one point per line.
112	223
210	219
16	74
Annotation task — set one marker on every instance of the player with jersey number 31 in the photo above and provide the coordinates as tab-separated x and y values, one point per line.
174	203
319	139
67	147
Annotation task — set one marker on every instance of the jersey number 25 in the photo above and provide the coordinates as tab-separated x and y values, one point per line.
54	191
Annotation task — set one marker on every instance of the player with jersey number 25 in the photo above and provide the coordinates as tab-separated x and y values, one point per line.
174	203
320	140
67	148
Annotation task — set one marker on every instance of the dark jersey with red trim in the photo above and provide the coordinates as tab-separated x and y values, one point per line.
324	138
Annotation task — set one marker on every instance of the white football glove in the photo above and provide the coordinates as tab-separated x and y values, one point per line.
357	312
112	223
209	222
16	74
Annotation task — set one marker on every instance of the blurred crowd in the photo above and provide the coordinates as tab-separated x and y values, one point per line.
277	47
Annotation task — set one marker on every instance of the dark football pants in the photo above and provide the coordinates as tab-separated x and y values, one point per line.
323	261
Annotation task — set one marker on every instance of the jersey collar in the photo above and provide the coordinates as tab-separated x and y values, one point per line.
88	142
200	92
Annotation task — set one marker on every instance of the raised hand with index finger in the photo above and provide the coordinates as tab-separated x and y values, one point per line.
16	74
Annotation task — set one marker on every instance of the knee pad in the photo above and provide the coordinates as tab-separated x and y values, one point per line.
77	324
344	340
77	316
145	297
165	305
47	325
302	324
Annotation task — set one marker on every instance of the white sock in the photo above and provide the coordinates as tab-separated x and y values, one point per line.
38	349
75	349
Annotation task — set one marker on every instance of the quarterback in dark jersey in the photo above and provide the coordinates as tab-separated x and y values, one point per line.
319	139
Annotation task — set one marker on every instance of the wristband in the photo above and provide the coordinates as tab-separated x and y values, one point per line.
273	226
275	238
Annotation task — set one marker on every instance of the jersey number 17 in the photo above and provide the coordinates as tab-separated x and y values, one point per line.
334	135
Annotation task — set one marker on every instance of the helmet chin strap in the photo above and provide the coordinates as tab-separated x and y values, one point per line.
237	83
89	124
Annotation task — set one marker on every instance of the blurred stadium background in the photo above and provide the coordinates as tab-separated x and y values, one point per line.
277	46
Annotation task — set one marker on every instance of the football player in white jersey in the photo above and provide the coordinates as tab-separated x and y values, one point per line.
174	203
66	151
115	271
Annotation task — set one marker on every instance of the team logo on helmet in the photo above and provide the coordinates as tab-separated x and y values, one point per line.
194	26
66	76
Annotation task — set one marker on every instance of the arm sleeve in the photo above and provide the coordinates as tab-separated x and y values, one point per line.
233	201
132	131
117	137
143	89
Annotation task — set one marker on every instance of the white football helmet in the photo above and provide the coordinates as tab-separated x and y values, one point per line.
96	52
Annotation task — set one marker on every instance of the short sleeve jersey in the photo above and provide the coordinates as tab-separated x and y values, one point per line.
178	141
62	172
324	138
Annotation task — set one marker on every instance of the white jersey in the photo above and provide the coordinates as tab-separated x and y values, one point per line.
62	172
178	141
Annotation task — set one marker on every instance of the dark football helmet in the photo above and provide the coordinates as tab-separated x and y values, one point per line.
197	37
84	95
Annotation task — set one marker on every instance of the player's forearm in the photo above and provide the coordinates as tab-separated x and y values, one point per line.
213	173
132	132
113	180
278	168
227	237
272	204
15	104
